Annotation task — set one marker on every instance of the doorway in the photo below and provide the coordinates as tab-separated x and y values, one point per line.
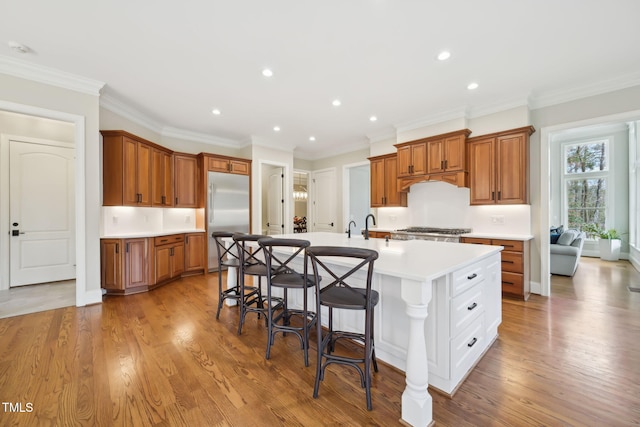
272	199
300	201
357	194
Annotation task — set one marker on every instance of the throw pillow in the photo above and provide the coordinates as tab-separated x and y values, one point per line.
567	237
555	233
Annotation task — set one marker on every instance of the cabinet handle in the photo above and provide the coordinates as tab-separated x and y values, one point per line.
507	283
472	306
473	342
176	200
507	261
473	276
187	240
441	164
164	200
499	195
126	249
493	195
171	252
117	247
164	240
446	164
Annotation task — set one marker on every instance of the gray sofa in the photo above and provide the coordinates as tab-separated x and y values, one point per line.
565	253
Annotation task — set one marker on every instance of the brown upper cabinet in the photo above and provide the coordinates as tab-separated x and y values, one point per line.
412	159
498	167
447	154
126	172
384	182
186	180
229	165
161	178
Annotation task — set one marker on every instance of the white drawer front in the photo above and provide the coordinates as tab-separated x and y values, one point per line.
465	278
466	348
466	307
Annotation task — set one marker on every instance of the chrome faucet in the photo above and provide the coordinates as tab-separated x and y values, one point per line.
349	228
366	225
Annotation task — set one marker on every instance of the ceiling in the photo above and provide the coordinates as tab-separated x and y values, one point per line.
173	62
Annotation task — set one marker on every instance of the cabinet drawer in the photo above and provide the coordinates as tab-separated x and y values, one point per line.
512	262
476	240
510	245
512	283
466	307
163	240
466	348
467	277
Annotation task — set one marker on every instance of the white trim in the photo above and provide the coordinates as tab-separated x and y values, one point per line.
82	296
287	194
201	137
343	149
546	136
51	76
346	195
456	113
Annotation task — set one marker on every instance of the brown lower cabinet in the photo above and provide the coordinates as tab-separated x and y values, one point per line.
515	265
379	234
124	265
129	266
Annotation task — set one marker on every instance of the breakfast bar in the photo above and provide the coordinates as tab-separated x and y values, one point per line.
439	311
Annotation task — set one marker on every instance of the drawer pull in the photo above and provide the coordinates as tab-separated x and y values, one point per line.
507	283
472	306
473	342
507	261
473	276
164	240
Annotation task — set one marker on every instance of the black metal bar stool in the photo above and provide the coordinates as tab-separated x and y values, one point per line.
339	294
227	257
279	255
252	264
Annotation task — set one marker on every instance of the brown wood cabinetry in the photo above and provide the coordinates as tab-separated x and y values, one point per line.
412	159
229	165
126	172
169	258
194	252
498	167
379	234
384	178
124	265
515	265
447	154
161	178
186	180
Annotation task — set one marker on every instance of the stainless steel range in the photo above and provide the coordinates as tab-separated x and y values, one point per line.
430	233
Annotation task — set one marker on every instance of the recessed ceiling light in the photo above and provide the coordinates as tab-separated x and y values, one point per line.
336	103
276	128
215	112
444	55
267	72
373	118
18	47
312	138
472	86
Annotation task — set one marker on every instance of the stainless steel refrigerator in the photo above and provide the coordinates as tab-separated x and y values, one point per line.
227	206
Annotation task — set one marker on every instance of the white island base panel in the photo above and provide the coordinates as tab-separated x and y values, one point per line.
439	311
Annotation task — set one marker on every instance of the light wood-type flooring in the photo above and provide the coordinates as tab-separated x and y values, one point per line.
161	358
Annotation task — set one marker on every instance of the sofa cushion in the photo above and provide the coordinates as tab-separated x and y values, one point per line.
567	237
555	233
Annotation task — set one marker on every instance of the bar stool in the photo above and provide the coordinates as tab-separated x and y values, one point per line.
341	295
284	276
227	257
252	264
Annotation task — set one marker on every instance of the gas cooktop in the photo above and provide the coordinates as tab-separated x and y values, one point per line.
435	230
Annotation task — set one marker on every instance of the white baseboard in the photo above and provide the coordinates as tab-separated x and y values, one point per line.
89	297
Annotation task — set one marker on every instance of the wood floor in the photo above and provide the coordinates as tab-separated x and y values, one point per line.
162	359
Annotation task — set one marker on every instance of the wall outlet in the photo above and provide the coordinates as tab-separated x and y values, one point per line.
115	219
393	218
187	219
497	219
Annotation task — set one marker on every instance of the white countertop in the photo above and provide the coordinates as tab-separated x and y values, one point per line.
523	237
151	234
409	259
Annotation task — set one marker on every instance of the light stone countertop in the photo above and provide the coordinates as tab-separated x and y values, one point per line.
480	235
151	234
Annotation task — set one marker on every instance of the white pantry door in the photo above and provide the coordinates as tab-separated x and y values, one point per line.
42	213
275	202
325	194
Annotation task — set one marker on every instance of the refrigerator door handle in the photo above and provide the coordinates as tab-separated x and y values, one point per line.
211	188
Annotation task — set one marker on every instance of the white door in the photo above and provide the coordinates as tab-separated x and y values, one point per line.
324	200
42	213
275	202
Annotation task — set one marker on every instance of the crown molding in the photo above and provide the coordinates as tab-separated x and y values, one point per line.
188	135
383	135
457	113
566	95
51	76
120	108
304	155
522	101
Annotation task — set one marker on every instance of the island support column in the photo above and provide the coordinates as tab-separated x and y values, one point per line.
417	405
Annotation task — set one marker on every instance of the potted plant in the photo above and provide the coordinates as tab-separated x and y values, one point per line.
610	241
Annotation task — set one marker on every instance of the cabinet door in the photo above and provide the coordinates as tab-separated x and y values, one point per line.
136	263
511	167
194	252
482	172
419	159
111	264
143	174
218	165
177	259
392	196
162	178
454	153
377	183
404	161
130	195
239	167
162	263
186	187
435	156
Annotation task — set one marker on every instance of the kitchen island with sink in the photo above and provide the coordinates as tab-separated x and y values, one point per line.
439	311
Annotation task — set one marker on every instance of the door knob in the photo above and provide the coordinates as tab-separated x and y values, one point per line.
15	224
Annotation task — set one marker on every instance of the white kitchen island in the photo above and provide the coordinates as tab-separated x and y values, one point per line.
439	311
